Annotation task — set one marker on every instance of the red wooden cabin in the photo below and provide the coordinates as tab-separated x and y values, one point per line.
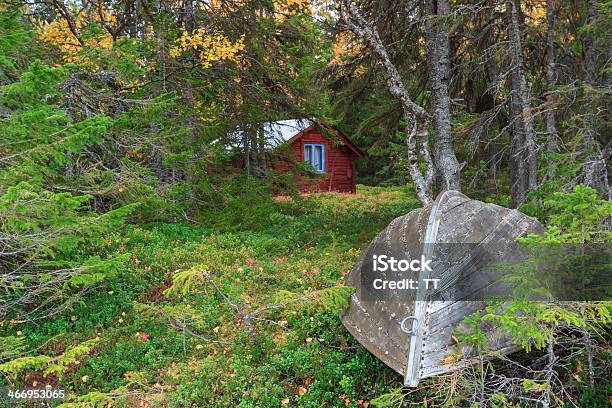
330	154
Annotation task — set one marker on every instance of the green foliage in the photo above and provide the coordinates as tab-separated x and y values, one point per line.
335	299
38	82
473	334
391	399
579	215
93	399
20	364
185	282
13	38
10	346
51	365
61	364
96	399
307	349
129	132
56	232
575	218
575	241
531	315
38	136
532	324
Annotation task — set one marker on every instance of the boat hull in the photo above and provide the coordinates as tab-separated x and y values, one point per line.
462	237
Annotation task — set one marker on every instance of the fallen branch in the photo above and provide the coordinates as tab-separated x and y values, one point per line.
246	318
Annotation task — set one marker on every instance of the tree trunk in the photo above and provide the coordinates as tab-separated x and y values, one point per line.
527	150
438	59
189	98
588	346
595	171
590	59
516	162
254	149
550	369
246	145
263	162
415	116
189	101
551	126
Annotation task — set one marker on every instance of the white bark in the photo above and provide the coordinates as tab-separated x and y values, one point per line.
416	117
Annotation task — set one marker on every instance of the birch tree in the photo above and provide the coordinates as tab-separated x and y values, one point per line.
416	117
443	163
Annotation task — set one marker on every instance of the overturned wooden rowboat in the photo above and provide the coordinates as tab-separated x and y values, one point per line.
412	330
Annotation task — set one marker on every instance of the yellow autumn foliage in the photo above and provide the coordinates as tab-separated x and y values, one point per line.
346	46
210	47
58	33
291	7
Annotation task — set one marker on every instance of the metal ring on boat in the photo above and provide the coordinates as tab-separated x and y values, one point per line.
415	324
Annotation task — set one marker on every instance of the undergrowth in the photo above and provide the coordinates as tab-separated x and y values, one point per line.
189	347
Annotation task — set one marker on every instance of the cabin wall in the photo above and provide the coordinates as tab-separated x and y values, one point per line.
339	165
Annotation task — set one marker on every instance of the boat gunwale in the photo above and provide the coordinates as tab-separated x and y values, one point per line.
411	378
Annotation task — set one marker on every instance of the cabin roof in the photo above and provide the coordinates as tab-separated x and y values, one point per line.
288	131
282	131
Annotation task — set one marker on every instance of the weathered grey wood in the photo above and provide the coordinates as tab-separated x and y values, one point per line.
377	324
490	230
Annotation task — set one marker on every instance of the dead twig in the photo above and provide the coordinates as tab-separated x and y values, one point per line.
246	318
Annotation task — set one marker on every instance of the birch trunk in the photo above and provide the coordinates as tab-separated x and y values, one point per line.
415	116
438	59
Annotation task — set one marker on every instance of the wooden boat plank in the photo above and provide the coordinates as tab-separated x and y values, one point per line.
463	272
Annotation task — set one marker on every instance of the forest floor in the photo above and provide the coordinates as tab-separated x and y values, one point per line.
193	349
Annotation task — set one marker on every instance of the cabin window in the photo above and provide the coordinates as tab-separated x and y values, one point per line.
314	154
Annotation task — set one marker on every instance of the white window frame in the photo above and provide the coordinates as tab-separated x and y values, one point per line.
312	147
